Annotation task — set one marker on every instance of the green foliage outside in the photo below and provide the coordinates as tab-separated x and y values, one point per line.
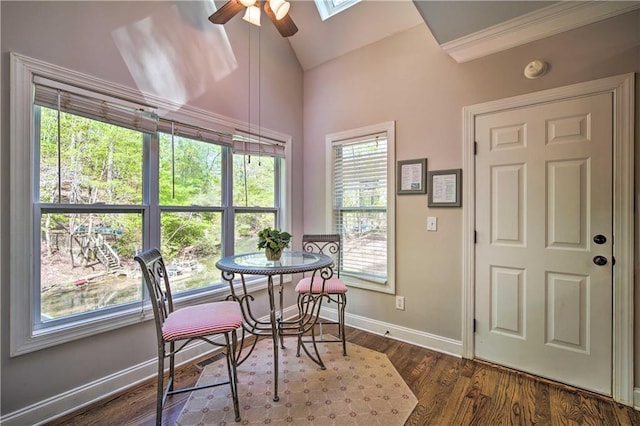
102	165
258	188
190	172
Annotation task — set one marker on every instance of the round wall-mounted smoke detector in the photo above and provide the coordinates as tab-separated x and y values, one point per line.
536	69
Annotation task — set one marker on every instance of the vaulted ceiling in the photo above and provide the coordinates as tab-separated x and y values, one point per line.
466	30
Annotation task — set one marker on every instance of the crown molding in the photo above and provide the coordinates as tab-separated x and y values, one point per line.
545	22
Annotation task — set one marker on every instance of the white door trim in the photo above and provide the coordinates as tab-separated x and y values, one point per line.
622	88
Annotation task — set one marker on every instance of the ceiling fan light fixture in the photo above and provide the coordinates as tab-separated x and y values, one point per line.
280	8
283	22
252	15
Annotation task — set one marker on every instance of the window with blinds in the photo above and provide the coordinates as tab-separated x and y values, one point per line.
90	204
104	178
361	173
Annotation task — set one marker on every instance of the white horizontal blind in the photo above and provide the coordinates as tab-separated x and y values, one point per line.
218	136
95	106
252	144
360	205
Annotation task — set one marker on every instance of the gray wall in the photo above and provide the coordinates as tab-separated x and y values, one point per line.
78	36
408	78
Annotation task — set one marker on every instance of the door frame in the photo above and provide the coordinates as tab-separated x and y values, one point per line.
622	89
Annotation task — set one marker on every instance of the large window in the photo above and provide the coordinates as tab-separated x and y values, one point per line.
362	204
108	179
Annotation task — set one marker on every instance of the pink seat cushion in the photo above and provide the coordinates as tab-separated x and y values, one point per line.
333	285
202	320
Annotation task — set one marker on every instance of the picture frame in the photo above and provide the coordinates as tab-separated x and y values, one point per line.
445	188
412	176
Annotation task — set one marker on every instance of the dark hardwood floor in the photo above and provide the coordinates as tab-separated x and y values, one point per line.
450	391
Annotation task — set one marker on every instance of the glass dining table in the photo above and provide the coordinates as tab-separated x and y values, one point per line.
291	262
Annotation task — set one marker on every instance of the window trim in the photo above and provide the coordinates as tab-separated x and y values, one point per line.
389	128
327	9
24	338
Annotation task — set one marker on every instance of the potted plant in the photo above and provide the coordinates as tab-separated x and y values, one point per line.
273	241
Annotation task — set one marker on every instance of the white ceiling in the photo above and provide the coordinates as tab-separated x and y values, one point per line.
466	30
369	21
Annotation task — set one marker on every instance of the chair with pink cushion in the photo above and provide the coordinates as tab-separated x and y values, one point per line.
215	323
333	289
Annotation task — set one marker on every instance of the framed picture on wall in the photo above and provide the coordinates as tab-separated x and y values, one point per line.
412	176
445	188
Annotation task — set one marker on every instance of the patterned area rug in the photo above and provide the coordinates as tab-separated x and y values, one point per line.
362	388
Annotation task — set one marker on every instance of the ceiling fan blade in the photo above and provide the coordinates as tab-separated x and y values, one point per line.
285	26
226	12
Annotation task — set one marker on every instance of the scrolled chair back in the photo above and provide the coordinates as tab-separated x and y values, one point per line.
329	244
157	281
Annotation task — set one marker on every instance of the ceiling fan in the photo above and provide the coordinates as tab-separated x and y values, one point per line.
276	10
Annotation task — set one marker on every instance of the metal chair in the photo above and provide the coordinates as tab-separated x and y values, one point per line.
332	289
175	329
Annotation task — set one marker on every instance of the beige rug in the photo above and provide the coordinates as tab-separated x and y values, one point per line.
362	388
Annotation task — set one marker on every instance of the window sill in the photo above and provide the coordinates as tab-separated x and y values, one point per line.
379	286
68	332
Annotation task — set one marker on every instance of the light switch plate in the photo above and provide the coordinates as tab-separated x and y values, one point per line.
432	223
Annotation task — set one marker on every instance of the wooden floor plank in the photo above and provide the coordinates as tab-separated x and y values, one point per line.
435	390
450	391
624	416
596	411
479	395
459	409
565	406
534	401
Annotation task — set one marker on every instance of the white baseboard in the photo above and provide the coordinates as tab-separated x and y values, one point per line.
90	393
404	334
636	398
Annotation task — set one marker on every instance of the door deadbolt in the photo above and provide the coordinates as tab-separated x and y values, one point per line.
599	239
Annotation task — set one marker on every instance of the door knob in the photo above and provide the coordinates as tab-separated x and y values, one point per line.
600	260
599	239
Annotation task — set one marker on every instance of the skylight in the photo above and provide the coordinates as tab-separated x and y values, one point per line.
328	8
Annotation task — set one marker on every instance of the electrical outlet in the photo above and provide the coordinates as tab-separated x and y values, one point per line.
400	303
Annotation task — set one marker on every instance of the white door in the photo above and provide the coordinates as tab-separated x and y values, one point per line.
544	240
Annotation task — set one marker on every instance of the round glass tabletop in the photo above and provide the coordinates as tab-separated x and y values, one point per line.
290	262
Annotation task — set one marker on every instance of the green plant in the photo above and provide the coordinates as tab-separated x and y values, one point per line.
273	239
